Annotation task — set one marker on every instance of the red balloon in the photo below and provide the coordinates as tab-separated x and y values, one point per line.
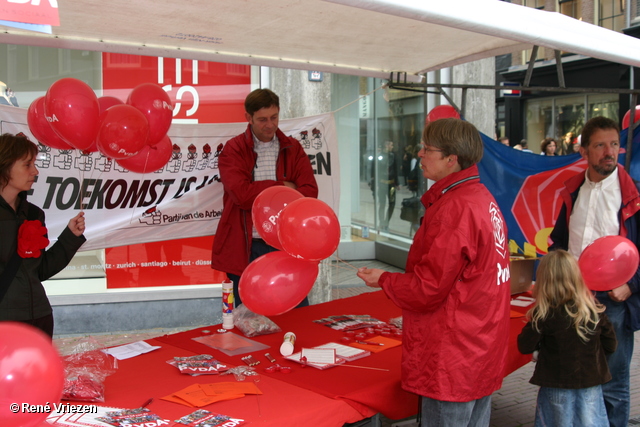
104	102
608	262
149	158
276	282
442	112
72	108
156	106
31	372
108	101
266	209
40	127
123	132
308	229
627	117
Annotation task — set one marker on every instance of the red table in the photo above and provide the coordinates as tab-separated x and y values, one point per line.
306	396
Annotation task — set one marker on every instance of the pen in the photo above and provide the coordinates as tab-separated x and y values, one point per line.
147	403
369	343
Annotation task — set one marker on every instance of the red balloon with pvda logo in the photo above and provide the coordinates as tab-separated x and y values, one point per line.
266	211
309	229
72	109
123	132
149	158
154	103
40	127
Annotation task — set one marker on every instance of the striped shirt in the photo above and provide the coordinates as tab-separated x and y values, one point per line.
265	168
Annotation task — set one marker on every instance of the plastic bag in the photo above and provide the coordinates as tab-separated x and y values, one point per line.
396	321
86	367
252	324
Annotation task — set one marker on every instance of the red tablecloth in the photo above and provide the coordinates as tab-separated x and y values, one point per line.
281	404
368	391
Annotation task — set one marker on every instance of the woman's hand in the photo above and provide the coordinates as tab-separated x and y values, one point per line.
76	224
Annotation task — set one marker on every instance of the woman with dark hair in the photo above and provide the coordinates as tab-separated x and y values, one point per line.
548	147
24	262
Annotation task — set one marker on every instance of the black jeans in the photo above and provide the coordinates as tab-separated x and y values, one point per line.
258	248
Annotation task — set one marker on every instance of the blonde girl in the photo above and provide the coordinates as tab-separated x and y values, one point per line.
572	335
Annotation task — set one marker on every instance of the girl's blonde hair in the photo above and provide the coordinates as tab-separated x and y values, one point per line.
559	283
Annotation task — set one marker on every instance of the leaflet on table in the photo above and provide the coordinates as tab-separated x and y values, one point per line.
348	322
522	301
132	417
328	355
202	364
202	418
130	350
65	419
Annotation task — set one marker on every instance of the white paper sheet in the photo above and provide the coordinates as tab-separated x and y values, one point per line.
130	350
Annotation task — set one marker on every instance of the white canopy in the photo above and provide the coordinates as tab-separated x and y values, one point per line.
361	37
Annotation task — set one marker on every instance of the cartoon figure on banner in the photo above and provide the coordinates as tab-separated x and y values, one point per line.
191	161
63	160
214	164
173	165
103	163
205	160
84	161
304	139
151	216
316	139
43	160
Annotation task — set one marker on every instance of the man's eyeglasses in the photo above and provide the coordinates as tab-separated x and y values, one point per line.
429	150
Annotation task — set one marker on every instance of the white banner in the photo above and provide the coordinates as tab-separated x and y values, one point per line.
183	199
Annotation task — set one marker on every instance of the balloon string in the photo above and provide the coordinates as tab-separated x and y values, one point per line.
360	97
146	161
82	190
346	266
349	266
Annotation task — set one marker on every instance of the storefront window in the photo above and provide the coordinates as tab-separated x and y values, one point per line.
572	8
539	122
556	117
569	113
603	105
390	127
611	14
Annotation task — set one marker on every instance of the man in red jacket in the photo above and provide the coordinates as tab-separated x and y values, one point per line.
455	291
257	159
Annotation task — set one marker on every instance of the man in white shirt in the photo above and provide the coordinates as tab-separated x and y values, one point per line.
605	201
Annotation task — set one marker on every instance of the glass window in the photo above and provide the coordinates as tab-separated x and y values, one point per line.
536	4
570	115
557	117
605	104
391	124
572	8
539	122
611	14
